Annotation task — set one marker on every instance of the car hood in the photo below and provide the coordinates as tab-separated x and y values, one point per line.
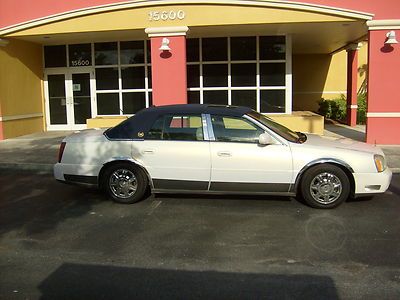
341	143
88	135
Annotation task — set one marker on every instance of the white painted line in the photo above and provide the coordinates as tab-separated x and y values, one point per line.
153	207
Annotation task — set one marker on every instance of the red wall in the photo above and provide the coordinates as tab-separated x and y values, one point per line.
18	11
168	69
383	89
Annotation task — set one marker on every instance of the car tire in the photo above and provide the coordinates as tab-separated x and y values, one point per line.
125	183
325	186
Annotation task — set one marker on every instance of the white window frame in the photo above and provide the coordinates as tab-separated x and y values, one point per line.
146	90
258	88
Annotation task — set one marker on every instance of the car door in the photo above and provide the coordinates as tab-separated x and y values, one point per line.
175	153
240	164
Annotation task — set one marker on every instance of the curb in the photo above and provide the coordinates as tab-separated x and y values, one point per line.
32	167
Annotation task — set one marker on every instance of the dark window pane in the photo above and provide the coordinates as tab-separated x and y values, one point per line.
133	102
193	97
243	74
183	128
132	78
192	50
82	97
56	86
156	130
272	74
80	55
215	49
193	75
57	103
215	97
132	52
150	99
107	79
231	129
148	51
149	79
272	101
106	53
55	56
244	98
108	104
215	75
243	48
272	47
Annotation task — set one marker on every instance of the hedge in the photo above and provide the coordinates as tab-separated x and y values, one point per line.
336	109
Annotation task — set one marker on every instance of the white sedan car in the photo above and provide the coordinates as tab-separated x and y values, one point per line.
219	149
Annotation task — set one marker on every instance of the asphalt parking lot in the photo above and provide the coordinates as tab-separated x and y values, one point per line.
66	242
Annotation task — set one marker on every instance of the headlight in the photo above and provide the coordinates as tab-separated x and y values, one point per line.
380	163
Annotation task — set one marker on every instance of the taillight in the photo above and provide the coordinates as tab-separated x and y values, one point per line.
61	151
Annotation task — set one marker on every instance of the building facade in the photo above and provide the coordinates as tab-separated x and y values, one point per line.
67	65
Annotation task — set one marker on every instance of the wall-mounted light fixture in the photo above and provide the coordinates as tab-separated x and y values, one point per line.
391	38
4	42
165	45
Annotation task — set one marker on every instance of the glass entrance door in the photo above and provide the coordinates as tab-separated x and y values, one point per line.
81	98
69	99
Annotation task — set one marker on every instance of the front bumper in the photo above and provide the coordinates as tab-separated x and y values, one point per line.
372	183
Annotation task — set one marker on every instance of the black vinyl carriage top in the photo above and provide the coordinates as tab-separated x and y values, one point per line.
137	126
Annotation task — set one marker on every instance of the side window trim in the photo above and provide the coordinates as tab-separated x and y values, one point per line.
207	127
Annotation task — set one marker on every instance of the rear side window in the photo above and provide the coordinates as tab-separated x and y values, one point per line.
177	128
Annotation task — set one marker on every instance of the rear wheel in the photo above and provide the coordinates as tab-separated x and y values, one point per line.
125	183
325	186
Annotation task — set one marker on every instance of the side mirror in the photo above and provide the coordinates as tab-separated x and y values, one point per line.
265	139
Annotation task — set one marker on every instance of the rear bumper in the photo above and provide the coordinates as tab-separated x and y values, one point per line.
372	183
67	174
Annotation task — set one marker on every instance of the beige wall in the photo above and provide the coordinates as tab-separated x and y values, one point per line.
21	88
317	76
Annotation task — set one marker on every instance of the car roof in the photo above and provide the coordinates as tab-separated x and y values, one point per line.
137	126
199	108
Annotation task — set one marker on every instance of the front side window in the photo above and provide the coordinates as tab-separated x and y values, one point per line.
233	129
177	128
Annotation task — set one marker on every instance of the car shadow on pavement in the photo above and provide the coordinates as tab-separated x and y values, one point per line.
78	281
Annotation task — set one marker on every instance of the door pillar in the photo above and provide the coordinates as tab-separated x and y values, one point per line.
352	74
168	66
383	105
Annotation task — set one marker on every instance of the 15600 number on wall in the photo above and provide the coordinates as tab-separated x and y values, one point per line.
166	15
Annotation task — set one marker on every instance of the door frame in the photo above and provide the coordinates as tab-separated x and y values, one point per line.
68	72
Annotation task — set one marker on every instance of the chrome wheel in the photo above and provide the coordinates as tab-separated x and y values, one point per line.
123	183
326	188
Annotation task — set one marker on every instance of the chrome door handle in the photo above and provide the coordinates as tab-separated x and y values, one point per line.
224	153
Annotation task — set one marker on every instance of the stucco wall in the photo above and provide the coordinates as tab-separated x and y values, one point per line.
21	88
319	76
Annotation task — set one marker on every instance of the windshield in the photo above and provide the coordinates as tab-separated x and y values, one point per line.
295	137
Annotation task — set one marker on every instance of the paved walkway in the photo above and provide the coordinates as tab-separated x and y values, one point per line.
38	152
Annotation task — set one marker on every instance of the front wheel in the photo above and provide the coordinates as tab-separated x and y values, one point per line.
325	186
125	183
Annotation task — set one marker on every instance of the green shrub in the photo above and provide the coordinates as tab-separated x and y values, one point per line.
336	109
362	108
333	108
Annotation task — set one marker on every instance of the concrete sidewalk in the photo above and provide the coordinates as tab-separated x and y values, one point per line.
38	152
